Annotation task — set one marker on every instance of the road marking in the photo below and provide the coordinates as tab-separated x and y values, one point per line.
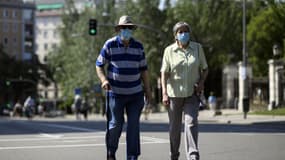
251	133
67	146
70	127
48	138
53	136
145	140
51	146
45	136
158	140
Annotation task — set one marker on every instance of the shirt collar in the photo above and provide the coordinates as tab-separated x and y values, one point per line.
190	46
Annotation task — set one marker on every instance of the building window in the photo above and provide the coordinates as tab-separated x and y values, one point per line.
54	34
45	58
5	13
5	41
15	41
15	27
5	27
45	34
45	46
45	22
28	14
54	46
38	32
14	13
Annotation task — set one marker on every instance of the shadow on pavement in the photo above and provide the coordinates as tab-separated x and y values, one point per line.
35	127
261	127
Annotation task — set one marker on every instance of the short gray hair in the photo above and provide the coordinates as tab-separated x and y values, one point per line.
179	25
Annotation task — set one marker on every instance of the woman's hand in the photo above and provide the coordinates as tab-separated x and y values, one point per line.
165	99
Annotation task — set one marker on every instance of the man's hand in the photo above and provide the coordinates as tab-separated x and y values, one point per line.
105	85
148	96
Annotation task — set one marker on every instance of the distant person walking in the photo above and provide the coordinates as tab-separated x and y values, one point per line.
77	105
85	108
29	107
212	101
147	109
127	69
183	73
18	109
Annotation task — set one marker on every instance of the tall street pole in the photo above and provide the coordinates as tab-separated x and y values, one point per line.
244	70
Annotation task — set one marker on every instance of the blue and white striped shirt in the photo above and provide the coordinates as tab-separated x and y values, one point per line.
125	65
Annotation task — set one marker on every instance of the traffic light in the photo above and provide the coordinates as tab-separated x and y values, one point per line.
92	27
8	83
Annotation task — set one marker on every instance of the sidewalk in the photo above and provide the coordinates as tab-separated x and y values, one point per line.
228	116
232	116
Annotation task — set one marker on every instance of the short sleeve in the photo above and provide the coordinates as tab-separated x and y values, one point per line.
103	57
165	65
143	62
202	58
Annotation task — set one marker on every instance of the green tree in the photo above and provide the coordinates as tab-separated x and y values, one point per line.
264	30
73	62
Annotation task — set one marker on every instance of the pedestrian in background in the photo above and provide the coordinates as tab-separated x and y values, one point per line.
41	109
147	109
29	107
212	101
18	109
183	73
127	69
85	108
77	105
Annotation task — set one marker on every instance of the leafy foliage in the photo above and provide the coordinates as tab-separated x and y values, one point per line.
264	30
217	25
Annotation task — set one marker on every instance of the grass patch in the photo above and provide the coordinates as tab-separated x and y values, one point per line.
277	112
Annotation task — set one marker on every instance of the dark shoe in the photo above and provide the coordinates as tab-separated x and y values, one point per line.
111	157
132	157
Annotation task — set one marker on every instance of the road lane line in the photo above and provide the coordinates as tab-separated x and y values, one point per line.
47	139
52	136
51	146
158	140
145	140
70	127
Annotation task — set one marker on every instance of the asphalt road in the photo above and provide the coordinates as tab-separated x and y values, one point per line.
78	140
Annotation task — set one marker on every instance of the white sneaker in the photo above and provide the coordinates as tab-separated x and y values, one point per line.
194	157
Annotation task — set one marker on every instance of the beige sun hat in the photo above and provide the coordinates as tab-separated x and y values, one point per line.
125	20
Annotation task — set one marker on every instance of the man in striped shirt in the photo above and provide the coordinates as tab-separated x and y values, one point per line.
127	68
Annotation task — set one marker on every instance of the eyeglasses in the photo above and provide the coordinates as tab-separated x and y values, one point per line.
127	27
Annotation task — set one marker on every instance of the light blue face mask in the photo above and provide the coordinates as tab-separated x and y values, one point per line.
183	37
125	34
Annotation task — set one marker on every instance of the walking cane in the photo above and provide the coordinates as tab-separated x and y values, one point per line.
107	110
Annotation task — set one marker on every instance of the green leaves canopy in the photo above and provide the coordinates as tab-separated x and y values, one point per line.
217	25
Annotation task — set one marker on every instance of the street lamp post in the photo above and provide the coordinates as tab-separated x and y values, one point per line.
245	78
